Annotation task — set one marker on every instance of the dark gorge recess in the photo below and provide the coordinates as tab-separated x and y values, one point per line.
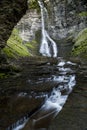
10	13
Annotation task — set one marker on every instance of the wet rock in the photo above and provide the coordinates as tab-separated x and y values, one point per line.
14	107
65	19
24	93
29	25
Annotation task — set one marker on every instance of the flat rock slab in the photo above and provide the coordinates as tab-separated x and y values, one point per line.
15	107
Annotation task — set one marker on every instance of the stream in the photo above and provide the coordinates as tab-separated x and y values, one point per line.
55	100
64	76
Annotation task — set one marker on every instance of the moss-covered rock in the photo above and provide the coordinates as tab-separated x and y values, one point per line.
15	47
83	14
33	47
80	46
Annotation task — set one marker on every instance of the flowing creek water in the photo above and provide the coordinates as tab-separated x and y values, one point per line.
54	101
52	114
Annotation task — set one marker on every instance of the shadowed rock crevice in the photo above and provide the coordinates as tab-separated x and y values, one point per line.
10	14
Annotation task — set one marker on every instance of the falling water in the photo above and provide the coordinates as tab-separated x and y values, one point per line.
48	46
22	34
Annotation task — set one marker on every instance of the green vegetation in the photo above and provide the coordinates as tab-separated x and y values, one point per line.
80	47
33	4
15	47
32	47
83	14
3	75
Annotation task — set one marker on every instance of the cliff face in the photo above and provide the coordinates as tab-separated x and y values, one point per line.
10	13
66	17
29	25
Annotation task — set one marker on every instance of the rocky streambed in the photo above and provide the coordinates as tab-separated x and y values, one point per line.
22	95
74	114
18	92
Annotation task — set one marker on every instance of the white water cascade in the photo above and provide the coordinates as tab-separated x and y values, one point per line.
54	102
48	46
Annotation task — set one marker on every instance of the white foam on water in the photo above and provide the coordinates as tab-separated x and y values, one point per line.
56	100
19	124
19	127
62	63
71	63
65	69
71	83
58	78
22	94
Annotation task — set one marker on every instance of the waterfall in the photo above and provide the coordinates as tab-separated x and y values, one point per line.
48	46
23	33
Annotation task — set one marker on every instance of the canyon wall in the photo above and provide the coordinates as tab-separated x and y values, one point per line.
10	14
67	17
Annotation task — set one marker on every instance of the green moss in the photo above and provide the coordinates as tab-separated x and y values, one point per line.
83	14
33	4
33	47
29	45
80	46
3	75
15	47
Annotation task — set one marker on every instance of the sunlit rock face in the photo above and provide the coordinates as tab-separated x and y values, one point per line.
67	17
29	25
10	13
